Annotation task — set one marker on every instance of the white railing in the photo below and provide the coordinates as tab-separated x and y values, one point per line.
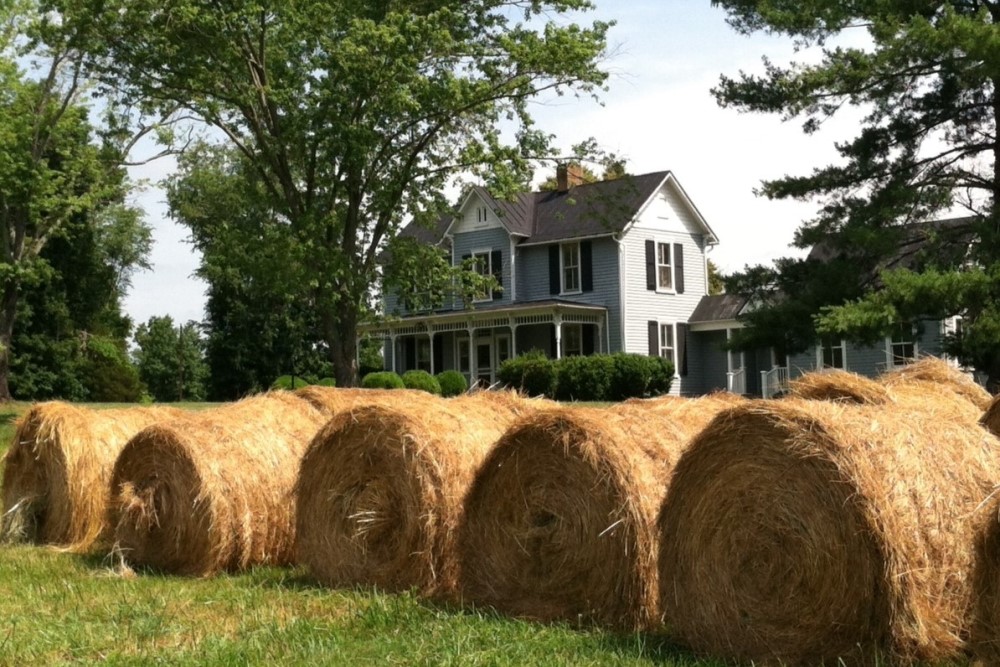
736	381
774	381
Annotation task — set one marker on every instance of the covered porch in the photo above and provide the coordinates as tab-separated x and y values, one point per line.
476	342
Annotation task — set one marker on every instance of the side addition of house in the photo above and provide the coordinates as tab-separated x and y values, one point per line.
613	266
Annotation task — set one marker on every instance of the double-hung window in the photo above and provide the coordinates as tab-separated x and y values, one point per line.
667	342
832	353
484	268
664	268
902	345
569	261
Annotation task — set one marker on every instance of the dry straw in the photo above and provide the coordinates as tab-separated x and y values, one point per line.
560	522
839	385
991	417
938	374
381	489
806	531
212	493
56	472
334	400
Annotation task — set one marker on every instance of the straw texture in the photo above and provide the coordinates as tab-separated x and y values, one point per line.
940	375
380	491
806	531
56	472
560	522
212	493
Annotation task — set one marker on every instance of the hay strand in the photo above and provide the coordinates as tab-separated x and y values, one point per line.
212	493
56	472
839	385
381	487
560	521
805	531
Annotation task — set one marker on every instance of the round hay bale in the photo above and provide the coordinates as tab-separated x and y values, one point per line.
938	373
333	400
991	416
380	490
560	521
806	531
56	472
838	385
212	492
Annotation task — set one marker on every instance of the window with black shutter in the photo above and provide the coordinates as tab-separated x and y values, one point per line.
587	266
650	264
496	266
679	268
554	269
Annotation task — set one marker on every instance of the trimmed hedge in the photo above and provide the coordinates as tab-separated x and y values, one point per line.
532	372
327	382
383	380
285	382
452	383
662	376
630	377
584	378
421	380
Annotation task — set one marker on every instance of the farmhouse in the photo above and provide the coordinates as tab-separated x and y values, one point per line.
612	266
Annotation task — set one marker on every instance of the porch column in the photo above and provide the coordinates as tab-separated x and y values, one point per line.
557	323
430	335
600	338
392	352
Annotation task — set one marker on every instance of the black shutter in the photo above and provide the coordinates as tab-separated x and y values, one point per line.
589	338
654	338
465	257
438	353
586	266
679	268
410	360
496	264
460	299
651	264
682	360
554	269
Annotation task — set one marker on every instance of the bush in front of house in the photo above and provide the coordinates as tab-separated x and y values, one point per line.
532	373
661	376
421	380
630	377
327	382
584	378
286	382
452	383
383	380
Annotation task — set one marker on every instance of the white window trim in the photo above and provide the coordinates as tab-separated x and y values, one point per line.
819	355
488	252
482	214
673	276
673	344
562	270
890	358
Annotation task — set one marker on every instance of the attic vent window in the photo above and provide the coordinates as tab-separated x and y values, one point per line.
481	214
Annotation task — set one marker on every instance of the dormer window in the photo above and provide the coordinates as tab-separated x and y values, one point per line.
570	268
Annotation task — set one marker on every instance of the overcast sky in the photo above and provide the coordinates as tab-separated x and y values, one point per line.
658	113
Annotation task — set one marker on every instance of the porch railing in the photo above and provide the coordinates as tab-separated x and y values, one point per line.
774	381
736	381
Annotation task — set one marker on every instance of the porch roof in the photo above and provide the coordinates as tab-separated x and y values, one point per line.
535	312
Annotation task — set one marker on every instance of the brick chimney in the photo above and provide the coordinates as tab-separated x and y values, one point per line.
568	176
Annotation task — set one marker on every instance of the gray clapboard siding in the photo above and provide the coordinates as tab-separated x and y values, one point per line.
495	238
706	362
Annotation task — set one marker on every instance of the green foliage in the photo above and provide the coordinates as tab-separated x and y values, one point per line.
716	281
383	380
286	382
452	383
370	358
630	377
422	380
446	88
582	378
171	360
532	373
661	376
326	382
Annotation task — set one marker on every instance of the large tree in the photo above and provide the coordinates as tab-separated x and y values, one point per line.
171	359
354	114
923	78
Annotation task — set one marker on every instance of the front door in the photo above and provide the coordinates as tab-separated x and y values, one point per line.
484	361
502	348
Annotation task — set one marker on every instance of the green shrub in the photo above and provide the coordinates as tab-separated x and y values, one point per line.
327	382
532	372
630	376
382	380
452	383
421	380
661	376
285	382
584	378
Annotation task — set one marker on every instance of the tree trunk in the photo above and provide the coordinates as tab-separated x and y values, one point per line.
8	310
340	329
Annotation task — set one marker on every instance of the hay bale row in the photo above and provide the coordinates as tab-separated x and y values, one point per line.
380	492
560	519
806	531
57	471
